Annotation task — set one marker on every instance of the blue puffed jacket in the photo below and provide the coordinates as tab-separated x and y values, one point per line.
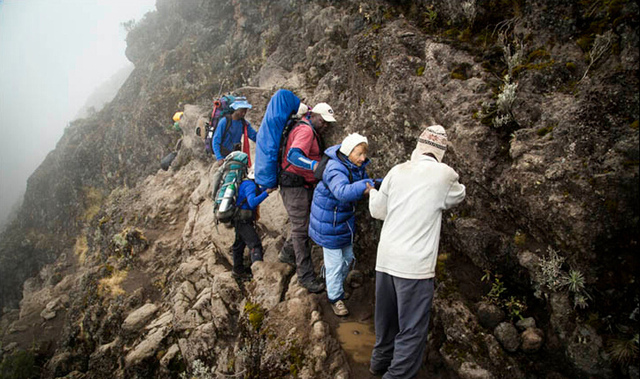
332	220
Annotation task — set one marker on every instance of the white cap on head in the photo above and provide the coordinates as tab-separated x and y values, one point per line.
351	141
324	110
433	140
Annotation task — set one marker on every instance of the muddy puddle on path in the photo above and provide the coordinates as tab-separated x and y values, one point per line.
357	339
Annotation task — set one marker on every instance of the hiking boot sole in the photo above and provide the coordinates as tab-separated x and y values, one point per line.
313	287
376	372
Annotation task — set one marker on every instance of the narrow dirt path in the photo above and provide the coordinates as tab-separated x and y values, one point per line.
355	332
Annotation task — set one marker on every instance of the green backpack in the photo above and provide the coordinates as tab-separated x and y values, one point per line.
226	183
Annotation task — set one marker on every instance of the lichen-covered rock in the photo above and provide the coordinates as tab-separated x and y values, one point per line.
269	282
489	315
508	336
585	350
470	370
147	347
138	318
526	323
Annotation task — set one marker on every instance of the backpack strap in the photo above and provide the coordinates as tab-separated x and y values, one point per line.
223	149
341	158
226	128
315	134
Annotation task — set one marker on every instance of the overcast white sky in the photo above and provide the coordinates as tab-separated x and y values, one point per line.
53	54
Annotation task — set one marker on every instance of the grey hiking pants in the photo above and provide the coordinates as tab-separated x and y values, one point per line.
297	202
403	307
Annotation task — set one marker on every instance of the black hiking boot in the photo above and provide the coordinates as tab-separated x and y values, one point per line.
287	256
376	372
313	285
244	274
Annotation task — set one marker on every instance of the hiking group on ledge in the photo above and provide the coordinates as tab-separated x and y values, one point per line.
319	187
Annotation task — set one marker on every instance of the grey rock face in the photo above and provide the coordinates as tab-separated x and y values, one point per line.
564	174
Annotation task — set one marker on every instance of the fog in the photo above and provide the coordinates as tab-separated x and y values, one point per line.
53	55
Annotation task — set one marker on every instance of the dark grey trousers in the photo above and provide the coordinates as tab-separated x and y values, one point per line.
403	307
297	202
246	235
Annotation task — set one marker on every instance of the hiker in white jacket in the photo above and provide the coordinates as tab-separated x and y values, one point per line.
410	201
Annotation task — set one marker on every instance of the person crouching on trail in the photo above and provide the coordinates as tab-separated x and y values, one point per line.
249	197
332	221
227	138
410	201
302	154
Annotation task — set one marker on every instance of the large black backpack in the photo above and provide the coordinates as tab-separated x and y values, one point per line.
322	165
283	180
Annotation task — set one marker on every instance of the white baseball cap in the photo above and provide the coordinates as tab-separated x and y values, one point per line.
324	110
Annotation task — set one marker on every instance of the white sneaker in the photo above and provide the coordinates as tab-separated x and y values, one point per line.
339	308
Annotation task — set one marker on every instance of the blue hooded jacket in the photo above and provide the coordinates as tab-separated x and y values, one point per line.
332	220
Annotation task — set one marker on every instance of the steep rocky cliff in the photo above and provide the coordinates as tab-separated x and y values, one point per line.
127	276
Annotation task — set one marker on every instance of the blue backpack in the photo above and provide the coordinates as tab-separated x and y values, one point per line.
281	107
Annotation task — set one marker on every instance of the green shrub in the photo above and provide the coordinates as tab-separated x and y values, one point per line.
515	307
519	239
623	350
255	315
544	130
19	365
497	288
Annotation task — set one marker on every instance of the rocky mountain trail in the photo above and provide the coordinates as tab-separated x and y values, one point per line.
131	278
177	286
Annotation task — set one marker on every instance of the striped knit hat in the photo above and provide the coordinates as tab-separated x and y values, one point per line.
433	140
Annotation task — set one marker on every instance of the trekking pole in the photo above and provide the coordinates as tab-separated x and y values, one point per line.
220	90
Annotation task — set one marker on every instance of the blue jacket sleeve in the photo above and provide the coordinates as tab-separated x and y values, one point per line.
297	158
254	200
248	189
338	183
216	141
